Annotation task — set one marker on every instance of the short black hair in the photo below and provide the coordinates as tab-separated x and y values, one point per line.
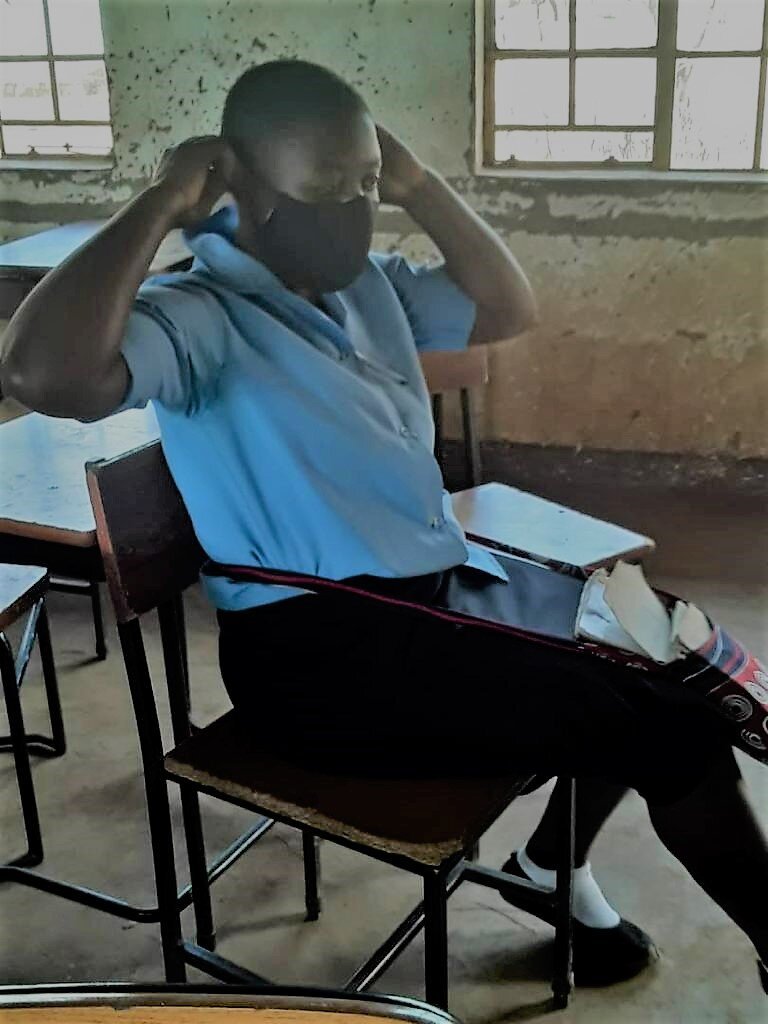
283	93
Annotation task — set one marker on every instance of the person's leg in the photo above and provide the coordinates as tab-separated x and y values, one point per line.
606	948
537	860
595	801
713	832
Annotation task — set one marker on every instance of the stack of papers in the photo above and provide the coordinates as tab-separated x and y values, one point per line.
620	609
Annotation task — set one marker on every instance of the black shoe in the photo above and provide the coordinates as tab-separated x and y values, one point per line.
601	956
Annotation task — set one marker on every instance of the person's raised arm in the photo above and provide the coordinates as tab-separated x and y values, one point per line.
61	350
475	257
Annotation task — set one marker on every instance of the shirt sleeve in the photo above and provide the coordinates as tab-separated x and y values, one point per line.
174	347
440	314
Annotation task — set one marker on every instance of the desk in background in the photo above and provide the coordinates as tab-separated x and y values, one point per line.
45	512
25	261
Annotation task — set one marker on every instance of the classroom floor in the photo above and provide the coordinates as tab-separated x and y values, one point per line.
91	805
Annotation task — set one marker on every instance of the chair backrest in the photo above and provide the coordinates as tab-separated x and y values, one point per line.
145	535
455	371
462	371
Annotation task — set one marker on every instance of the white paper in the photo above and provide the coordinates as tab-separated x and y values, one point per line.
596	621
621	609
640	611
691	627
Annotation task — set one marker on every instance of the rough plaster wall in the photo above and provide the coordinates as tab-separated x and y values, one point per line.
653	333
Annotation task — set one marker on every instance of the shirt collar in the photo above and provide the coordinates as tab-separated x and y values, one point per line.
213	246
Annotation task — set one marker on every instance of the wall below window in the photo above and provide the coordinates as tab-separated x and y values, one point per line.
653	333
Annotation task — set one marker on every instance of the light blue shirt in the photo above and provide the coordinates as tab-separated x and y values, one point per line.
300	438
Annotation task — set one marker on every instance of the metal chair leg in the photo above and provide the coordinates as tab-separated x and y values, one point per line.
34	853
471	444
311	851
181	625
174	642
156	790
98	621
562	976
205	931
58	736
436	940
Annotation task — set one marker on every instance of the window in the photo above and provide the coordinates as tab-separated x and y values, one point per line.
660	84
54	98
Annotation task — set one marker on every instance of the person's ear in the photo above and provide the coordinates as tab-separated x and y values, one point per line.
251	192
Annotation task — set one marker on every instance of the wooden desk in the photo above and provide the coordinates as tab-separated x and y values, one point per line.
25	261
20	587
520	523
45	512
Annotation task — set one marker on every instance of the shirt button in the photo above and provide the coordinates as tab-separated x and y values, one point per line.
436	522
405	432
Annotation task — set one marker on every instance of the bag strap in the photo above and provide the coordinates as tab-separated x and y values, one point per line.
359	588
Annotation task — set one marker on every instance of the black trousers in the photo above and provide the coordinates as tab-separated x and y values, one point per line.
367	690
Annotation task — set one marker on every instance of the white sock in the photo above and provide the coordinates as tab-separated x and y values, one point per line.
590	907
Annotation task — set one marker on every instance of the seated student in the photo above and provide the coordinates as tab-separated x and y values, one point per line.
296	422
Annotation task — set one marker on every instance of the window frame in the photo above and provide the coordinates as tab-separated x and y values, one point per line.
21	161
666	54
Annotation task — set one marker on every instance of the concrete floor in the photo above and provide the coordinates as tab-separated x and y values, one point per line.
92	812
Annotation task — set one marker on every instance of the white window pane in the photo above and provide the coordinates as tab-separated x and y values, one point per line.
82	87
715	112
532	91
22	28
25	91
574	147
615	90
764	142
57	140
614	23
720	24
76	26
532	25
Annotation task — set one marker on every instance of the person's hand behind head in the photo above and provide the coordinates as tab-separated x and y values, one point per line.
402	172
195	174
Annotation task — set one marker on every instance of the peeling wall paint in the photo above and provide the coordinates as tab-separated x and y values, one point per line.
653	333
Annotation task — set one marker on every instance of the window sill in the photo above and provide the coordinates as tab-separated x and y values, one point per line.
68	164
634	174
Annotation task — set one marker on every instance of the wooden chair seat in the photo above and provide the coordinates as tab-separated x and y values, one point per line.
188	1014
120	1003
20	587
423	820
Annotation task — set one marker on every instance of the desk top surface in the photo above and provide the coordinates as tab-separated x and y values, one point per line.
520	523
36	254
20	587
44	495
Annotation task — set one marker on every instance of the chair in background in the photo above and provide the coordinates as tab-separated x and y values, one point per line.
462	371
505	518
22	592
422	826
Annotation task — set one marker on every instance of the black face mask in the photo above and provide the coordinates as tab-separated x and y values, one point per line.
320	247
